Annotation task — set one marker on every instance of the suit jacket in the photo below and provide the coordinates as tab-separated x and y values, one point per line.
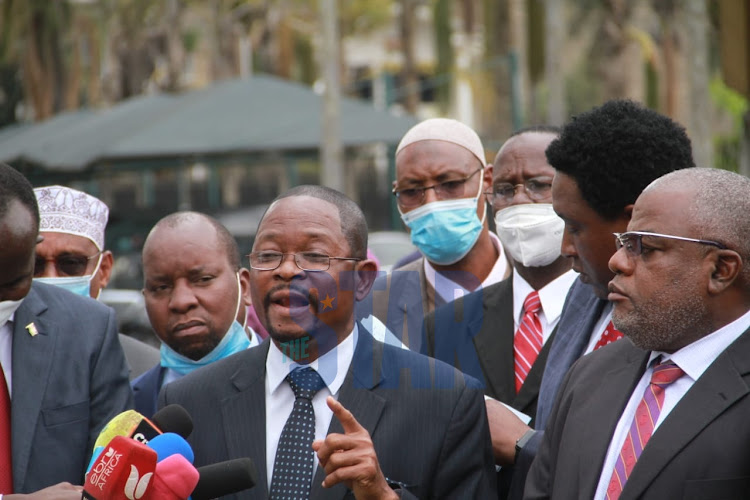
427	420
475	334
401	299
580	314
146	390
700	450
139	355
68	381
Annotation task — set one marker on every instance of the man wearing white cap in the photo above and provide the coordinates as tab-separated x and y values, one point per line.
441	178
72	255
63	372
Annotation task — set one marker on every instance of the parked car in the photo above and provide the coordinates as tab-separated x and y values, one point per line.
389	247
132	319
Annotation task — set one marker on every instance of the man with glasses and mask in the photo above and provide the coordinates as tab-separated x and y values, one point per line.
441	180
196	293
63	375
322	408
663	414
502	333
71	255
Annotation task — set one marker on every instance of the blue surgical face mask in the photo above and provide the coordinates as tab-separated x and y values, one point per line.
235	340
445	231
79	285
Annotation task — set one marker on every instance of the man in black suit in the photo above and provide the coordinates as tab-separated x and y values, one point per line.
663	414
380	418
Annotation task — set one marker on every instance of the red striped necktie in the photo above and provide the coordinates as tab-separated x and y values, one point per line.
528	340
642	426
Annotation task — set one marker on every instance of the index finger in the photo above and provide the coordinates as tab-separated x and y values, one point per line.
348	422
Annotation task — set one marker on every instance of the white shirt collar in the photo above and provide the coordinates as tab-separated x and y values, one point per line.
332	366
497	273
552	295
695	358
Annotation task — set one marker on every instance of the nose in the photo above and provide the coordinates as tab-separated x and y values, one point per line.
50	269
567	247
520	196
620	262
429	195
288	267
182	298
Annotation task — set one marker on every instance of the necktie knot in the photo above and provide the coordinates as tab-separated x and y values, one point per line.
532	304
665	374
305	383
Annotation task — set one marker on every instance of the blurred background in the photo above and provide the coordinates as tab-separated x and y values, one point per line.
219	105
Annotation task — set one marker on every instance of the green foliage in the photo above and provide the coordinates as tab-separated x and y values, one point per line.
727	147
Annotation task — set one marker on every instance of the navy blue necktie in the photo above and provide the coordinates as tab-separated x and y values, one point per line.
293	466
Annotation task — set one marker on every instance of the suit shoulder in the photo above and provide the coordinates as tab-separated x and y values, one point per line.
67	303
439	373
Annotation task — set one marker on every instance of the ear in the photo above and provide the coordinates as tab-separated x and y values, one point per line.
245	286
105	269
628	211
726	266
367	271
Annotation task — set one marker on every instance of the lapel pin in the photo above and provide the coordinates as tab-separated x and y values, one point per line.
31	327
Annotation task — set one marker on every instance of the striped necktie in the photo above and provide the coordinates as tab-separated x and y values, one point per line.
527	342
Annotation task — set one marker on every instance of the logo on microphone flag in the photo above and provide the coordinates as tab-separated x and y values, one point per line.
135	487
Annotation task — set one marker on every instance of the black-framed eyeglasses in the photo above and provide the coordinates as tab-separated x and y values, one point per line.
307	261
633	241
446	190
537	189
66	264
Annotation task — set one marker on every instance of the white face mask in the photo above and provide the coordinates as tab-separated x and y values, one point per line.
7	308
531	233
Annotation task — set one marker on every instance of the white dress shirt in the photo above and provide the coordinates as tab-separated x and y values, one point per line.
449	290
552	296
6	352
332	367
693	359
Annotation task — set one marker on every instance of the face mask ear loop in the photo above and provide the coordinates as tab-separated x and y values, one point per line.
479	194
239	302
96	270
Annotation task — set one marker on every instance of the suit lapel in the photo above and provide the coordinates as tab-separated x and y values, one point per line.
495	340
245	436
32	358
357	396
720	386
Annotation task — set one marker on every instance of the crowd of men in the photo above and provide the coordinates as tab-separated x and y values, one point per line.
593	345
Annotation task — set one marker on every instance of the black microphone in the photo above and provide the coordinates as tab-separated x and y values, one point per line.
224	478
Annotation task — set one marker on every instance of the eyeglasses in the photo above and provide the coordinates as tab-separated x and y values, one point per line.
307	261
448	190
536	189
66	264
633	241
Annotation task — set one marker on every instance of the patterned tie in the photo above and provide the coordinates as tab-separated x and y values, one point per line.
293	466
6	462
609	335
528	339
642	427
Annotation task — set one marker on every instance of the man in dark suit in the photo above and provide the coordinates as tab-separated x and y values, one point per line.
484	333
603	159
63	366
441	180
663	413
72	255
195	291
382	419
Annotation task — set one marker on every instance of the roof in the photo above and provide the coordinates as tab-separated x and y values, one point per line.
257	114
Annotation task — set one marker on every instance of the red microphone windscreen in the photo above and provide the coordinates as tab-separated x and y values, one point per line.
122	471
175	478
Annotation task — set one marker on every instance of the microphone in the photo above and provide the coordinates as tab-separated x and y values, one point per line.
122	471
172	418
173	479
168	444
224	478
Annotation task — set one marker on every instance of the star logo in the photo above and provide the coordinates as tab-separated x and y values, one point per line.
327	302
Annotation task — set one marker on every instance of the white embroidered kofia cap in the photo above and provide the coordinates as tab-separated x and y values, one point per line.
447	130
66	210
